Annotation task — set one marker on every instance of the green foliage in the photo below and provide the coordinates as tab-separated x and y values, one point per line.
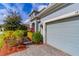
12	22
37	37
19	36
24	33
11	37
22	27
12	42
1	40
18	33
8	33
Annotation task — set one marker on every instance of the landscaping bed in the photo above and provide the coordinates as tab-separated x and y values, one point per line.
9	50
11	41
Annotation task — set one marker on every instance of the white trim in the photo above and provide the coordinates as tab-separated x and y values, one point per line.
44	36
50	9
75	13
72	14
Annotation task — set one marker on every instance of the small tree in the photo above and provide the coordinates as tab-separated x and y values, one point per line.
12	21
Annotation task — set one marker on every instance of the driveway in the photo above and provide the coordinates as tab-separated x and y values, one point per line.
40	50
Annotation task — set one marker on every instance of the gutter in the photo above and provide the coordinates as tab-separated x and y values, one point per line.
51	8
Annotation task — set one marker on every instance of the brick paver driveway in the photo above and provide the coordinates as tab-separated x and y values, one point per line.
40	50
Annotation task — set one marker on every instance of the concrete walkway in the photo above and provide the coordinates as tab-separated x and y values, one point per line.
40	50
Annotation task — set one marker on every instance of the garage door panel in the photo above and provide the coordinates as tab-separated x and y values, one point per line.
64	35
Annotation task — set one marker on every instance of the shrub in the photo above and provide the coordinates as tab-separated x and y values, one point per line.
37	37
9	38
12	37
12	41
18	34
4	36
24	33
8	34
1	40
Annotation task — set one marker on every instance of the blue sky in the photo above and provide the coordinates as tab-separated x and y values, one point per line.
23	8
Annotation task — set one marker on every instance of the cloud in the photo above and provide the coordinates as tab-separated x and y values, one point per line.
26	21
23	13
11	7
19	6
3	14
23	8
36	6
6	5
39	6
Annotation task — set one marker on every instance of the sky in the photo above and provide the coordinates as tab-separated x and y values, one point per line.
23	8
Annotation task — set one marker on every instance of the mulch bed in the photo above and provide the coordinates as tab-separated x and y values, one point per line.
6	50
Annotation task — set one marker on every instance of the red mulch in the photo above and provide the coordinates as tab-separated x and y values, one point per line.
6	50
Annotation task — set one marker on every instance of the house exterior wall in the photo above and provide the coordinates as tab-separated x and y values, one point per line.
67	9
70	38
62	35
35	22
64	10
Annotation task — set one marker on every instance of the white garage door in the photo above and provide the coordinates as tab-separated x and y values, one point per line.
64	35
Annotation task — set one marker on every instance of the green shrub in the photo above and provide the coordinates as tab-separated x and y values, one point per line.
18	33
12	37
8	33
1	40
37	37
12	41
9	38
24	33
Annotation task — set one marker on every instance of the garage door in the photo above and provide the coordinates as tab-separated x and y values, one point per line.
64	35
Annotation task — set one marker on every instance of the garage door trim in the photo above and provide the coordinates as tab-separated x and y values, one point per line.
72	14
